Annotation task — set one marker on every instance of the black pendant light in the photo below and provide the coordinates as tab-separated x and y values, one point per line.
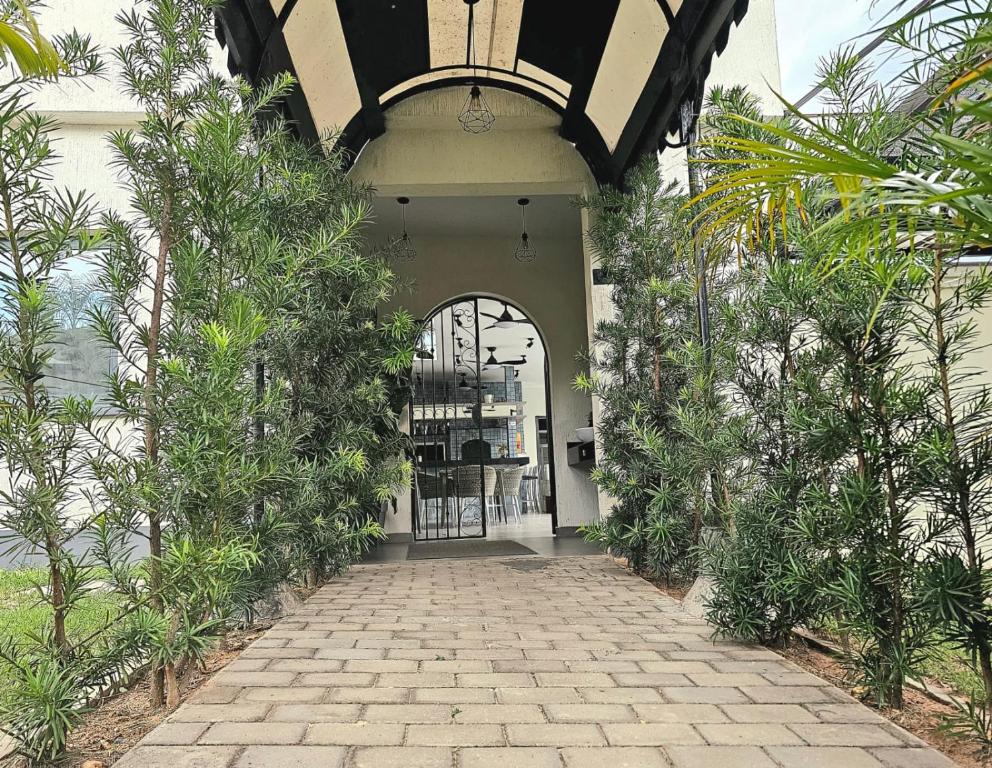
525	251
476	116
403	249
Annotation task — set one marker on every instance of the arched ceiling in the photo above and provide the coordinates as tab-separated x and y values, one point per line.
615	70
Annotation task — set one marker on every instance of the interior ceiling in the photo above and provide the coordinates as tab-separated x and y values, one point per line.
510	343
548	216
615	70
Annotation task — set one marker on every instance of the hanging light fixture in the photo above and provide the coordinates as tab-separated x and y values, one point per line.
403	249
476	116
525	251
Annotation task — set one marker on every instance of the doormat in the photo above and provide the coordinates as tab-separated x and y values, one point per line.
461	548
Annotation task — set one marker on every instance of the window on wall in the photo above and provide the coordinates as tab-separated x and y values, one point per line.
81	362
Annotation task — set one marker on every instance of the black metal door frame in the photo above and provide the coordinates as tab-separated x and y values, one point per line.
462	321
456	341
551	444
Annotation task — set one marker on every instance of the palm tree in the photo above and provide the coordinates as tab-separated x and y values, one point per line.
936	177
22	42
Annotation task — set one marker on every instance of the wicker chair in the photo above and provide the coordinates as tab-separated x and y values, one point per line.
512	479
473	482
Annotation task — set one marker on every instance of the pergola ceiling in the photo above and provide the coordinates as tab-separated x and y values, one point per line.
615	70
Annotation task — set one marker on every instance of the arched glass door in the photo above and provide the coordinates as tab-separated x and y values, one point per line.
468	422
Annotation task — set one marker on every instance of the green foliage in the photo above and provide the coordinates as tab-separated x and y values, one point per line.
343	367
666	429
253	418
47	654
43	706
22	43
884	515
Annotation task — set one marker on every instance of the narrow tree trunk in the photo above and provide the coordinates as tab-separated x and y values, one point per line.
57	595
169	675
894	680
53	549
856	408
151	426
171	686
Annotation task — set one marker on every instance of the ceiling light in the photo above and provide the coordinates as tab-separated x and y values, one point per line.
476	116
525	251
403	249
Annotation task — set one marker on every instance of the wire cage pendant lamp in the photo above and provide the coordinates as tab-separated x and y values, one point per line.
403	249
476	116
525	251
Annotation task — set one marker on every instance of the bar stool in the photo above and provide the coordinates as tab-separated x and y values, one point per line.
529	490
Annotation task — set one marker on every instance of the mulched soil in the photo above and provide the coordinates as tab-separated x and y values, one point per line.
120	722
920	715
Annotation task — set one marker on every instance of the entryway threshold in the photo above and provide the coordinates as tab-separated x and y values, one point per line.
543	546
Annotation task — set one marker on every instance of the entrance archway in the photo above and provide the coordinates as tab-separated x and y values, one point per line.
480	421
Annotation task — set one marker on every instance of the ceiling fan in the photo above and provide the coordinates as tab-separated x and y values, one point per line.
493	362
464	386
505	319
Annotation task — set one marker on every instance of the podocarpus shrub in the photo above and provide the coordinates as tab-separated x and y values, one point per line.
342	364
764	573
886	175
47	232
868	413
164	66
955	453
189	378
242	234
664	420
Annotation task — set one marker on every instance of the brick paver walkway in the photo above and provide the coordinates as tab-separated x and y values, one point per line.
515	663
